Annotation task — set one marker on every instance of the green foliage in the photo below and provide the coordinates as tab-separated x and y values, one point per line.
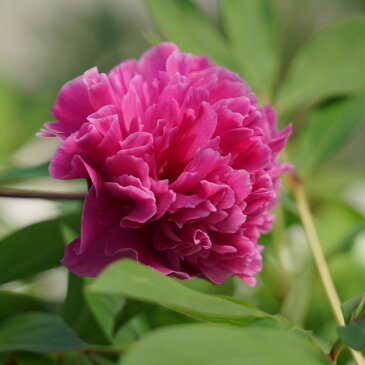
105	309
353	333
11	303
11	99
132	330
353	307
101	360
203	344
327	129
79	316
145	284
37	332
15	174
183	23
27	358
75	358
19	113
252	29
348	241
330	64
33	249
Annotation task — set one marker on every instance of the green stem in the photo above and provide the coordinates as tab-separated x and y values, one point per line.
335	351
319	258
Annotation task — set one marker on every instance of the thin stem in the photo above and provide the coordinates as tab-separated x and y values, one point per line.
319	258
28	194
335	351
315	246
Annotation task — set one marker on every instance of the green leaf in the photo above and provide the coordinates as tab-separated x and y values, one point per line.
27	358
11	303
38	332
352	305
140	282
133	329
131	309
353	334
330	64
296	301
328	128
348	241
184	23
105	309
78	315
3	359
101	360
253	32
282	324
75	358
207	344
33	249
24	173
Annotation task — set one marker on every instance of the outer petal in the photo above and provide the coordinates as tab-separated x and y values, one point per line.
72	107
154	60
99	89
93	260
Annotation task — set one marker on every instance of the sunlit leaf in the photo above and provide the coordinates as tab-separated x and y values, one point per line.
207	344
140	282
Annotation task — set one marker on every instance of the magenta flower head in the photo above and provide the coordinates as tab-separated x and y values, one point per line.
181	164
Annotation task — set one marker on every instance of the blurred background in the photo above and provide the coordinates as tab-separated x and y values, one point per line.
46	43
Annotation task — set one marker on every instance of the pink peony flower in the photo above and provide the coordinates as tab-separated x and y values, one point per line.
181	163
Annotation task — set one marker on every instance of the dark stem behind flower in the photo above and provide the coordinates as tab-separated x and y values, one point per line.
28	194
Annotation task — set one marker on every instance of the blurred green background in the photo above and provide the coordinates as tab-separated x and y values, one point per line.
46	43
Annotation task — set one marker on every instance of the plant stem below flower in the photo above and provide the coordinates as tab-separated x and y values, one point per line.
335	351
27	194
319	258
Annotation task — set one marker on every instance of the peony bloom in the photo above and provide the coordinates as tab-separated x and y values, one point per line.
181	165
